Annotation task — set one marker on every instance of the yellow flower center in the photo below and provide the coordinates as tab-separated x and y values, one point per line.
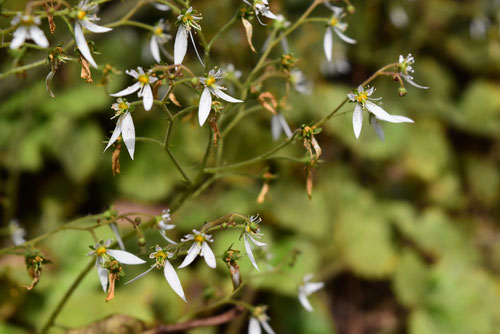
160	254
186	18
100	251
81	14
144	79
362	97
210	81
158	31
27	21
122	106
333	22
199	238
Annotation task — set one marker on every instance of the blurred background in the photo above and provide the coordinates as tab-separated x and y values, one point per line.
404	233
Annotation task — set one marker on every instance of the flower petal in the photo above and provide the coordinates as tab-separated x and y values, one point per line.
327	44
379	112
81	42
344	37
114	228
19	38
155	49
128	133
195	48
256	242
312	287
180	45
208	254
124	257
377	128
193	252
38	36
167	238
357	120
205	106
284	125
275	127
224	96
103	277
173	280
254	326
304	301
411	82
129	90
249	252
141	275
116	133
266	326
94	27
402	119
147	99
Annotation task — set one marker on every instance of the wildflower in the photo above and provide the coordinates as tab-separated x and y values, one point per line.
124	126
27	29
103	254
278	124
200	246
300	82
17	233
143	85
261	7
211	87
251	232
259	318
186	20
84	17
161	261
361	97
338	27
164	226
159	38
405	68
306	289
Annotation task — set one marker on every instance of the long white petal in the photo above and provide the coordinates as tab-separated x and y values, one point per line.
19	38
275	127
103	277
180	45
411	82
377	128
141	275
312	287
284	125
208	254
254	326
116	134
344	37
38	36
402	119
167	238
205	106
357	120
124	257
128	133
193	252
256	242
155	50
147	99
249	252
114	228
129	90
327	44
224	96
94	27
266	326
195	48
379	112
173	280
267	13
81	42
304	301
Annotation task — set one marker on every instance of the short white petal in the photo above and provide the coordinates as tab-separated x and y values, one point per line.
81	42
128	133
304	301
351	97
275	127
256	242
141	275
379	112
344	37
94	27
103	277
411	82
284	125
133	73
357	120
124	257
147	99
312	287
205	106
327	44
193	252
116	134
19	37
266	326
208	254
254	326
377	128
173	280
129	90
38	36
224	96
180	45
267	13
155	49
402	119
114	228
370	91
248	248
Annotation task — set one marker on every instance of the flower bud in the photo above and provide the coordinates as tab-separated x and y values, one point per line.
402	91
351	9
141	242
195	81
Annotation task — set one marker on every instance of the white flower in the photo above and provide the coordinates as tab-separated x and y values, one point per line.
300	82
199	247
143	85
278	124
361	97
334	25
27	29
398	16
405	68
164	226
102	254
260	318
211	87
261	7
252	231
187	20
478	26
306	289
124	126
161	256
17	233
160	6
84	17
159	38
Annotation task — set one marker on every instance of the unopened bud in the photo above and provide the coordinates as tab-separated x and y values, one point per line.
351	9
141	242
195	81
402	91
